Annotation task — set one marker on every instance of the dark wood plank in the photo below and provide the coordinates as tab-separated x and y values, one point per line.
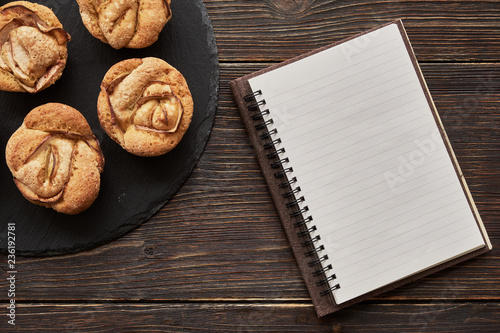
275	30
219	238
241	318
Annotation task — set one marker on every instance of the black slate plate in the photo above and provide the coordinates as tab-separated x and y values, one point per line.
132	188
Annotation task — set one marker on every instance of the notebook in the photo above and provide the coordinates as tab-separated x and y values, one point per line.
360	169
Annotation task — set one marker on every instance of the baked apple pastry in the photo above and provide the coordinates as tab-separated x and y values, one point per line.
33	47
145	106
55	159
125	23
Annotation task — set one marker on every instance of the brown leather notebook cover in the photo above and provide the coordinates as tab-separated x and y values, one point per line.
305	256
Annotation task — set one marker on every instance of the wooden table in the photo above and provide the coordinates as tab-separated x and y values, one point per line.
215	258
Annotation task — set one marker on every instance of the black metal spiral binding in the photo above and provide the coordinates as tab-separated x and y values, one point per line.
279	161
250	97
299	212
323	270
288	183
263	125
260	115
318	261
292	192
273	143
277	164
330	278
311	241
303	221
295	202
268	134
315	251
276	153
282	173
255	106
330	290
306	232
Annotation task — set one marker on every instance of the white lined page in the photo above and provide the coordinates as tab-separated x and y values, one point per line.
373	168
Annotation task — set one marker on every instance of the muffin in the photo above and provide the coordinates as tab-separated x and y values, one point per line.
55	159
125	23
145	106
33	47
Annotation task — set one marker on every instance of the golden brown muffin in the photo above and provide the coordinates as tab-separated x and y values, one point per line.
145	105
33	47
125	23
55	159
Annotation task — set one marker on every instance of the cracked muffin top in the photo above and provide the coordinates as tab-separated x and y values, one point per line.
55	159
145	105
33	47
125	23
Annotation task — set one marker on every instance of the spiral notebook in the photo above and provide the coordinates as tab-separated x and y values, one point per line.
361	172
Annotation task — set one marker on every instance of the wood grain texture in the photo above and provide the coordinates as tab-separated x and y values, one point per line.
215	258
220	238
257	318
274	30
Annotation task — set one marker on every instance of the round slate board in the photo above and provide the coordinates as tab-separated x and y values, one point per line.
132	188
